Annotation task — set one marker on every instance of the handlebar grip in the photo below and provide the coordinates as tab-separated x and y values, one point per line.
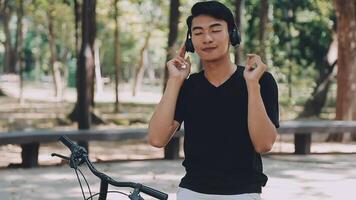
66	141
154	193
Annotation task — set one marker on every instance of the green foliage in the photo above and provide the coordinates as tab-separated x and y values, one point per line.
298	41
299	36
36	38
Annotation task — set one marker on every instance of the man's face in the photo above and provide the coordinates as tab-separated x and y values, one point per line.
210	37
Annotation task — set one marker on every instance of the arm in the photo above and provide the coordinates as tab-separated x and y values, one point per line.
162	125
263	132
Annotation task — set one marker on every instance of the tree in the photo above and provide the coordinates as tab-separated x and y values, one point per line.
174	15
153	15
117	55
78	20
346	36
85	66
141	65
172	148
239	7
77	14
50	42
19	45
263	32
55	65
314	105
10	50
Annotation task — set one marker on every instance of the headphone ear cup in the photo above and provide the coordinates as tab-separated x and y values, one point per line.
235	37
189	45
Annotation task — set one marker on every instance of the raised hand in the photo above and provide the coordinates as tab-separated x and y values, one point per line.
254	68
178	67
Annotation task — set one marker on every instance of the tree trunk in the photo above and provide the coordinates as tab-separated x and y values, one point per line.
85	67
9	56
172	35
239	7
117	56
56	73
19	45
315	104
141	65
64	70
346	32
171	150
262	37
77	14
77	18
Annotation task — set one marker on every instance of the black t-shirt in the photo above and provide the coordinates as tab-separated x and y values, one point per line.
219	155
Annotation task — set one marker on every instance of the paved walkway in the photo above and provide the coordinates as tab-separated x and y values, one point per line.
311	177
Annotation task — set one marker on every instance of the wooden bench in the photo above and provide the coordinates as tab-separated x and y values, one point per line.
30	140
302	131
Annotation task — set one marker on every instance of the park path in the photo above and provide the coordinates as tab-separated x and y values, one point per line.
311	177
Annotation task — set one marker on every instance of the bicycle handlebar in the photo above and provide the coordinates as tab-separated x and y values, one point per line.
67	142
77	151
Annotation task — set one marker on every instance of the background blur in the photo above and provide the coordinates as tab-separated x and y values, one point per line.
123	45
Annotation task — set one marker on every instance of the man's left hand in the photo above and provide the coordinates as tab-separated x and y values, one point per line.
254	69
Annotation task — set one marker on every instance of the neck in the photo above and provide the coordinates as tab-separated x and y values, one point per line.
218	71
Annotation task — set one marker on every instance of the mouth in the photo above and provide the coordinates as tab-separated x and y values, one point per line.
208	49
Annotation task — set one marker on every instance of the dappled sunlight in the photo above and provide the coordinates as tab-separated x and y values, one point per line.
302	175
327	177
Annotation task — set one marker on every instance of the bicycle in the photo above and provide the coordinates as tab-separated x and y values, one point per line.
80	156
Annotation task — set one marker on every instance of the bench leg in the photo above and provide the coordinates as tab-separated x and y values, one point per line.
302	143
171	151
29	155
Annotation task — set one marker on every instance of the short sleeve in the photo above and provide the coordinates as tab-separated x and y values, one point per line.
179	110
269	93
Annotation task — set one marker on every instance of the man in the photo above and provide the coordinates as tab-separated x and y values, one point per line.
230	112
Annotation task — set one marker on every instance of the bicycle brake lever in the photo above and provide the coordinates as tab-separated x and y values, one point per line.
60	156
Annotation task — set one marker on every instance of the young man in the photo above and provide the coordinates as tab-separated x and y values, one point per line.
230	112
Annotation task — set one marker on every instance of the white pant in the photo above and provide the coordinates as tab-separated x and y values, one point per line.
186	194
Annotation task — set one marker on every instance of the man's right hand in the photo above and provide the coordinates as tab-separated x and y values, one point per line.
178	67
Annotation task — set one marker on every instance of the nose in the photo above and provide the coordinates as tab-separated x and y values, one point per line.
207	38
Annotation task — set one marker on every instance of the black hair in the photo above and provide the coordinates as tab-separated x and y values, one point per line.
214	9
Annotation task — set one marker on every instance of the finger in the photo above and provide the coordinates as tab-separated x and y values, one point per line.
250	62
261	69
248	65
181	51
178	63
182	63
188	64
175	62
182	60
257	58
188	60
251	55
